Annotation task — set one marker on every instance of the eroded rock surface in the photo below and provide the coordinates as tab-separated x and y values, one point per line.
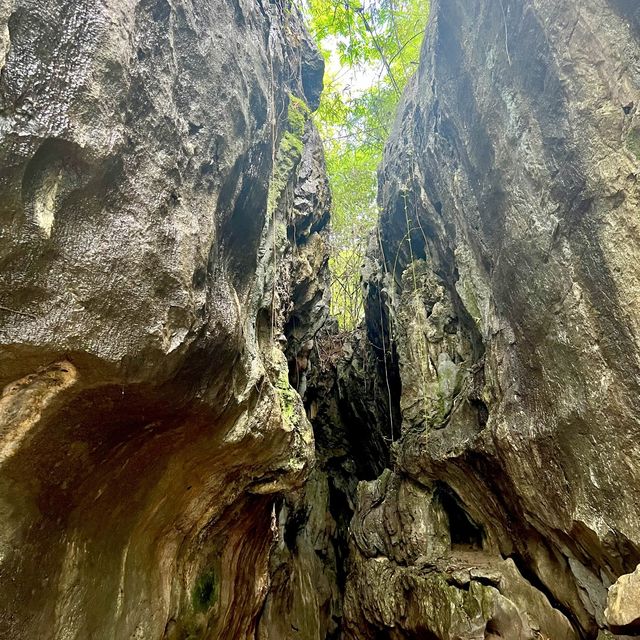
508	268
163	209
623	601
163	283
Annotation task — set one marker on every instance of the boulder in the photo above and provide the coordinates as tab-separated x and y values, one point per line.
623	601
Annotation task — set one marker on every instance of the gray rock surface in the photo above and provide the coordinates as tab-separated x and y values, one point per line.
164	344
510	197
163	206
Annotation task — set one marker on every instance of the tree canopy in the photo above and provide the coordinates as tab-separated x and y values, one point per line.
371	48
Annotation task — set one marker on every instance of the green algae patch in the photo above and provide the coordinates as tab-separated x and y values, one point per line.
286	395
205	591
467	294
633	142
289	151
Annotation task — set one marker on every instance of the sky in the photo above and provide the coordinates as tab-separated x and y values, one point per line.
354	80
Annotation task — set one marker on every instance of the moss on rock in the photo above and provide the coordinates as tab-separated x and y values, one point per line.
286	394
289	151
297	115
205	591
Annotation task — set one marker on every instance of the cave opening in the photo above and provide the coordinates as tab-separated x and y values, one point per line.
464	533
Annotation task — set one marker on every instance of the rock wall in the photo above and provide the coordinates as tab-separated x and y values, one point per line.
164	346
509	270
163	208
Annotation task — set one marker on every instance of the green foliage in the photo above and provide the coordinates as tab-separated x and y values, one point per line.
346	296
375	45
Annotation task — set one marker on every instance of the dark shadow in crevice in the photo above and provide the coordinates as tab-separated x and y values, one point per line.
342	513
530	576
465	534
628	630
294	525
243	203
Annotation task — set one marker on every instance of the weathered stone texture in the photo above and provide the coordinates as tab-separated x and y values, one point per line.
163	282
163	203
623	601
510	197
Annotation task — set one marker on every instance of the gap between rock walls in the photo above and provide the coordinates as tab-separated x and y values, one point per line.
317	322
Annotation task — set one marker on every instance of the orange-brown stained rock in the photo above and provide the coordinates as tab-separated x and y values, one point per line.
117	501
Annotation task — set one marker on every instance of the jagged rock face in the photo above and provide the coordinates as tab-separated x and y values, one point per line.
304	599
623	601
163	201
510	195
349	410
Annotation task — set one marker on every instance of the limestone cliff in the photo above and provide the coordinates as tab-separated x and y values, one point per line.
509	268
163	209
187	448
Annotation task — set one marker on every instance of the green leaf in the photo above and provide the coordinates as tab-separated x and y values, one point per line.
379	40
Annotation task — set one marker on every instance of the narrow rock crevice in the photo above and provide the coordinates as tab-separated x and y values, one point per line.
190	448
